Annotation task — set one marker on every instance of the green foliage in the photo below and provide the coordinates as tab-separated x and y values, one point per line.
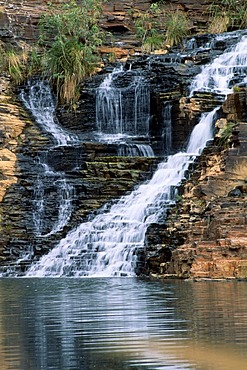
236	88
14	64
148	26
227	15
153	42
226	133
70	37
151	24
177	28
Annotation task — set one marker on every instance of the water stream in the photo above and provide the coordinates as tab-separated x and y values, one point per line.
123	112
167	130
108	244
224	72
38	99
114	113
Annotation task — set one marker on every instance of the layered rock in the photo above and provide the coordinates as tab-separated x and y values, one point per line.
19	21
96	174
205	234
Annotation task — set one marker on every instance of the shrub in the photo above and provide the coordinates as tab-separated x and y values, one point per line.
69	38
219	24
227	15
15	63
177	28
150	26
226	133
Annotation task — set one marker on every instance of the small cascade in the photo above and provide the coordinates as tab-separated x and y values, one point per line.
123	104
224	72
167	127
52	195
51	187
135	150
108	245
38	99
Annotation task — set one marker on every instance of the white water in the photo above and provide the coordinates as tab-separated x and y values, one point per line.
108	244
219	76
38	99
135	150
167	130
123	110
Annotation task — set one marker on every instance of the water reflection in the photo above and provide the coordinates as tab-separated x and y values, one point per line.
121	324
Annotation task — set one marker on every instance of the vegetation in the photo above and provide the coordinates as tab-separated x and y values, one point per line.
157	18
69	39
227	15
67	49
225	133
18	64
177	28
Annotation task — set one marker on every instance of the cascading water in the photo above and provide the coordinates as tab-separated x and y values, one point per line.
135	150
38	99
108	244
115	112
167	129
224	72
123	113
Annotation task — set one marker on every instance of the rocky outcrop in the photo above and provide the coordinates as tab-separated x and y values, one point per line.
19	21
205	234
96	174
12	122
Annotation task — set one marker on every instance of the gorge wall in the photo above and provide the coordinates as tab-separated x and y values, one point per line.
19	21
205	234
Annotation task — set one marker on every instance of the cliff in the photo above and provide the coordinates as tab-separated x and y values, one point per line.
19	21
205	233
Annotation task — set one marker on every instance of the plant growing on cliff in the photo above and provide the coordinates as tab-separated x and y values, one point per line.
225	133
15	63
148	26
70	36
151	24
227	15
177	28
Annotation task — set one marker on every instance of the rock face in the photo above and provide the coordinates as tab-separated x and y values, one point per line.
94	170
19	21
205	234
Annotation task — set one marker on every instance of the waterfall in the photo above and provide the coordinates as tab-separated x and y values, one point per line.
38	99
135	150
107	245
224	72
167	127
123	110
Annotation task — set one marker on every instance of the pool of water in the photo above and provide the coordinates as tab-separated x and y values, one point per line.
122	323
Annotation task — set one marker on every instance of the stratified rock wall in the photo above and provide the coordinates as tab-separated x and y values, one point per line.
19	20
205	234
207	230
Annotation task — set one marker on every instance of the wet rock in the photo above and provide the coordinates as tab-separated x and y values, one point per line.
213	223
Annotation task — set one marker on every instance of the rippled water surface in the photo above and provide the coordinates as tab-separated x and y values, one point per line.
122	323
